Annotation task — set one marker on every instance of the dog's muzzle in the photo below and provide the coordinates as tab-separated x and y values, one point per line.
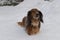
37	15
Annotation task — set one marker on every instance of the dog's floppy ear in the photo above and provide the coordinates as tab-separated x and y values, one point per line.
29	17
41	16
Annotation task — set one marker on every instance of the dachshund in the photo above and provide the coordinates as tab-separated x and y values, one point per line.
32	21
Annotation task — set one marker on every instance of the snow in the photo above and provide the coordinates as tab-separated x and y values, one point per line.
9	16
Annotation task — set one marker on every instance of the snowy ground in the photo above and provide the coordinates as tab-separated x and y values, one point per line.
9	16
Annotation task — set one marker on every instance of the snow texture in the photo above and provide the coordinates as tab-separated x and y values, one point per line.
10	2
9	16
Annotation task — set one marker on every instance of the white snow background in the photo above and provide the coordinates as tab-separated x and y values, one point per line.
50	29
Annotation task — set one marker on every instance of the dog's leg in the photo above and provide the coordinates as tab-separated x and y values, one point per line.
22	23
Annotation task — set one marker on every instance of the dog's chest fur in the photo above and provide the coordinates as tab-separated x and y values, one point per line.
35	22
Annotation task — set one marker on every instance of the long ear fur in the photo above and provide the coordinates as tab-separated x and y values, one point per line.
41	16
29	18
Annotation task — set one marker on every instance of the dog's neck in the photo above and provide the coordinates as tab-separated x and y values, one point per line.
35	22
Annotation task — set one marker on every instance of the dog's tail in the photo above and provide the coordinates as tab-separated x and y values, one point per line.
21	24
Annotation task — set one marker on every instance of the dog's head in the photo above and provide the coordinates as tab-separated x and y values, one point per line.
35	14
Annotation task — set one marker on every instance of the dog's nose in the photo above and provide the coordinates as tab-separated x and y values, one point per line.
37	15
